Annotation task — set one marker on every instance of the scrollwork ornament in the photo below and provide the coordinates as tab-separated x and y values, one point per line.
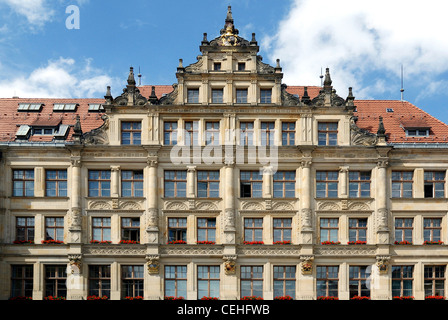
153	264
230	265
382	262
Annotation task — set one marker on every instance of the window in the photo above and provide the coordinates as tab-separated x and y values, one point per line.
327	281
389	110
65	107
241	66
175	184
282	229
434	282
265	96
101	229
247	133
99	183
191	133
208	184
284	184
359	185
357	229
252	281
23	183
34	107
131	183
207	229
432	229
251	183
326	184
130	229
217	66
132	281
21	281
217	95
434	184
285	281
253	229
417	132
193	95
25	229
99	280
176	281
288	133
96	107
329	229
359	281
55	281
402	280
404	229
131	133
402	184
267	133
208	281
212	133
177	229
54	228
56	183
170	133
241	95
44	131
327	133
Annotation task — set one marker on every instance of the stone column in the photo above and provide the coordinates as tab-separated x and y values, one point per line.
267	184
229	204
152	227
381	202
114	181
306	211
343	192
191	181
76	211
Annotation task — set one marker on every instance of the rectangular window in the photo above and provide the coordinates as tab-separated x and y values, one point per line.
241	66
402	280
404	229
193	95
327	133
54	228
22	281
241	95
170	133
217	66
251	281
131	133
99	280
359	281
192	133
208	281
285	281
284	184
55	281
288	133
434	184
212	133
265	95
132	183
56	183
217	95
247	133
101	229
207	229
99	183
329	229
282	229
208	184
132	281
402	184
267	133
176	281
327	281
23	183
175	184
177	229
326	184
130	229
434	281
432	229
359	185
253	229
25	229
251	183
357	229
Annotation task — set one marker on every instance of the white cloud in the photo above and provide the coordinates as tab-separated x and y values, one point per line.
359	38
37	12
62	78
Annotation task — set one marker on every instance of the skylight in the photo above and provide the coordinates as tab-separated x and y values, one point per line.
95	107
30	107
64	107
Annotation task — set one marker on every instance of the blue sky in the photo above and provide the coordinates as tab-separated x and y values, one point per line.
364	43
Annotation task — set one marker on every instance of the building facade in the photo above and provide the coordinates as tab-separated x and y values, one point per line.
228	184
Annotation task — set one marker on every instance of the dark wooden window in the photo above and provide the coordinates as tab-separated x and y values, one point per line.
177	229
132	183
265	95
282	229
327	133
326	184
402	184
284	184
170	133
357	229
434	281
208	281
251	281
329	228
359	281
247	133
359	184
130	229
23	183
101	229
207	229
267	133
253	229
175	184
54	228
193	95
21	281
327	279
404	229
55	281
251	183
241	95
191	133
402	281
99	280
217	95
25	228
212	133
176	281
131	133
432	229
434	184
99	183
56	183
285	281
288	133
132	281
208	184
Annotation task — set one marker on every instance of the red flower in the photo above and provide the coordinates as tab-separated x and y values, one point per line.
403	298
283	298
283	242
133	298
330	242
100	242
251	298
209	298
434	298
357	242
52	241
97	297
427	242
129	242
327	298
205	242
177	242
23	241
402	242
173	298
253	242
360	298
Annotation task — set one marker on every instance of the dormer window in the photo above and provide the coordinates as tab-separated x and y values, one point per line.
416	128
417	132
44	131
217	66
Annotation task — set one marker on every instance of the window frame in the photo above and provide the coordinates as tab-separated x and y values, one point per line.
268	133
130	231
357	229
253	229
102	280
193	95
241	95
255	179
212	179
217	95
56	227
360	278
135	134
432	183
102	228
327	228
327	280
171	139
180	277
281	277
27	182
58	281
265	95
247	133
253	271
26	229
191	130
177	232
402	228
327	136
59	182
283	229
212	133
401	280
210	279
431	229
401	182
135	283
288	133
359	182
136	182
328	193
179	180
433	280
283	184
22	280
104	179
206	228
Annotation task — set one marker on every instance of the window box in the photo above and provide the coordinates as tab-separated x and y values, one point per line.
403	298
177	242
173	298
133	298
438	242
205	242
330	242
21	298
402	242
97	298
129	242
253	242
357	242
251	298
327	298
209	298
360	298
52	242
283	298
23	242
54	298
434	298
282	242
100	242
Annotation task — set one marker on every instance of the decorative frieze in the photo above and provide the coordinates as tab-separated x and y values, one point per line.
345	251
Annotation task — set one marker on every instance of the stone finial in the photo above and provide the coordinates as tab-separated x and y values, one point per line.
381	130
204	40
306	98
327	81
153	97
253	41
131	78
108	96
